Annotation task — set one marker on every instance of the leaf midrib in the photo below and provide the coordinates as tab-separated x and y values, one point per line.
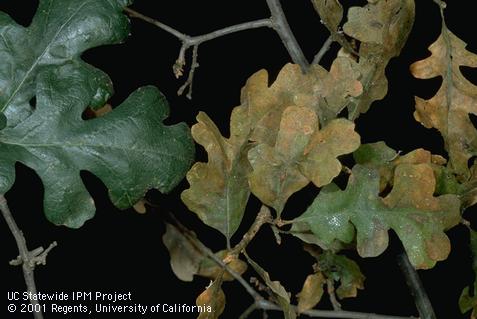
40	57
71	145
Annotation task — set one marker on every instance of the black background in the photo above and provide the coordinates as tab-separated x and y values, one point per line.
123	251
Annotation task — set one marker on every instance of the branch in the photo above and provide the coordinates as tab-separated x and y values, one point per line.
280	24
194	41
259	300
326	46
264	216
277	21
339	314
28	259
206	251
414	283
330	287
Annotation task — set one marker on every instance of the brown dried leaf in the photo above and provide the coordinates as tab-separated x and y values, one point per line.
448	111
209	268
212	298
140	207
279	293
383	28
330	11
184	257
311	292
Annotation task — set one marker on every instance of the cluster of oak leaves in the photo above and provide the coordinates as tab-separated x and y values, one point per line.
288	134
283	136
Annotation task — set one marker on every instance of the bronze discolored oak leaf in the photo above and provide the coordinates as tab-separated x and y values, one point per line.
418	218
185	258
382	27
448	111
301	154
219	189
213	299
330	11
312	291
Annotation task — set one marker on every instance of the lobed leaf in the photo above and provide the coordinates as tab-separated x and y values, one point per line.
382	27
448	111
411	210
219	189
301	154
129	149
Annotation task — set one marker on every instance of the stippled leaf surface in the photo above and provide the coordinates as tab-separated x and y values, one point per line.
302	153
382	27
261	134
219	189
129	149
448	111
411	210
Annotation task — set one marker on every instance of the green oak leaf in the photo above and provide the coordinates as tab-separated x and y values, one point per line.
129	149
410	209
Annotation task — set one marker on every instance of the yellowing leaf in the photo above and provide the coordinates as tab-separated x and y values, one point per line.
219	189
301	153
213	299
448	111
418	218
311	292
382	27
